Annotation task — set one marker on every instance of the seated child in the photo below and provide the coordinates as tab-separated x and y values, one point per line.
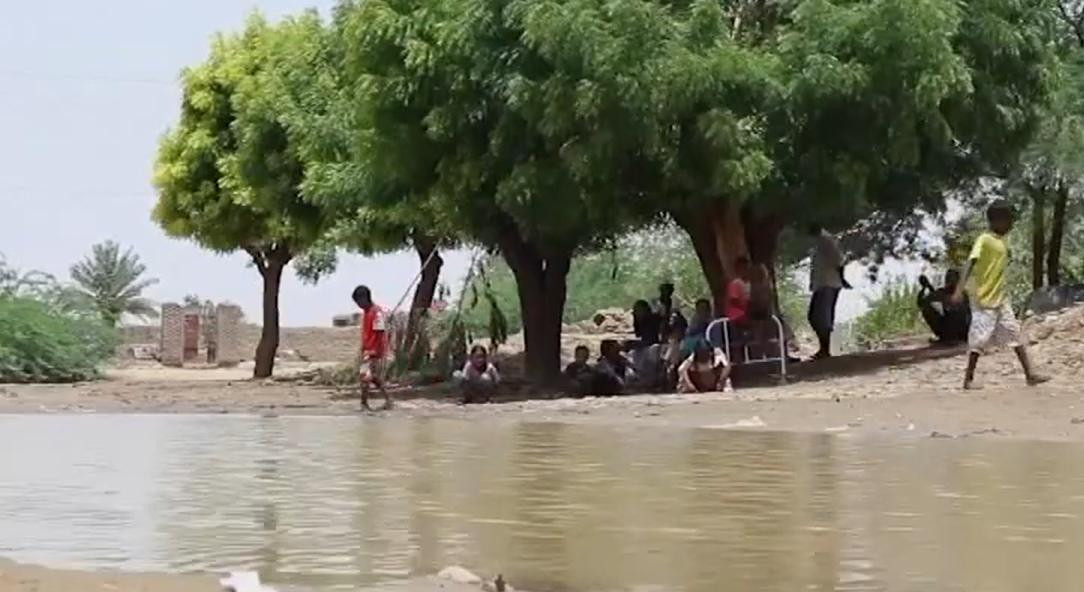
613	372
579	373
479	378
698	326
707	370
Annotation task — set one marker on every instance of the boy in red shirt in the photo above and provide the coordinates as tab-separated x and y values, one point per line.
374	346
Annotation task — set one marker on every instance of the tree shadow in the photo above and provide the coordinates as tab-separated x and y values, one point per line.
763	375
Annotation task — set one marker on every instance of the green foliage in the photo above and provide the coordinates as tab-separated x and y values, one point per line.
113	281
229	174
631	269
46	334
891	314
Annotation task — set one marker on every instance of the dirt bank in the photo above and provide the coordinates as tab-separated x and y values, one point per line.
16	577
910	392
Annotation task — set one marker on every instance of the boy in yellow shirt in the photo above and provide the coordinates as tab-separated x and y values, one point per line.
993	323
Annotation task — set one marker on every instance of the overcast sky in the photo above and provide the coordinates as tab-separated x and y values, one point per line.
86	90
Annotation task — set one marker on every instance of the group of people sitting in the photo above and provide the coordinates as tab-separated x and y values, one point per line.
705	369
670	352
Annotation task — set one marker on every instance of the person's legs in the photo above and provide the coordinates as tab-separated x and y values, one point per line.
822	309
376	368
1008	332
364	378
934	320
811	315
969	373
983	323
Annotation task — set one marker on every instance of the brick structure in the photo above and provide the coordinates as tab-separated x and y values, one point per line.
228	334
171	346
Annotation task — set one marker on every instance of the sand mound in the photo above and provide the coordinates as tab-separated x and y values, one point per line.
1059	336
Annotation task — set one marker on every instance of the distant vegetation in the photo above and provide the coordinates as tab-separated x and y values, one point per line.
113	282
48	332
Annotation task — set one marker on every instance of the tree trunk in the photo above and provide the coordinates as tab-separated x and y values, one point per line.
426	290
1038	236
762	238
271	268
541	281
1057	235
704	242
718	235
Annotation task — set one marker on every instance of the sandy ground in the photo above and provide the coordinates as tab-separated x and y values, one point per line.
17	577
905	392
28	578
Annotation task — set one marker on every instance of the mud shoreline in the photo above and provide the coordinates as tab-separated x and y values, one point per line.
18	577
912	394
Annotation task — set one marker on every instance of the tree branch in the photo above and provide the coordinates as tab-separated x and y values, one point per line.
1076	23
258	259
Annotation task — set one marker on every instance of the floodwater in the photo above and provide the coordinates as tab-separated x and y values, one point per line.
351	503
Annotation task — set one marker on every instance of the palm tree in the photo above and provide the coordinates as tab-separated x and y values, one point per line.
112	281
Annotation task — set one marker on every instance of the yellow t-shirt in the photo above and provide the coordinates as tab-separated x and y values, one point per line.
991	257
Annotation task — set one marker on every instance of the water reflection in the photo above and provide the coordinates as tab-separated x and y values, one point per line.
341	503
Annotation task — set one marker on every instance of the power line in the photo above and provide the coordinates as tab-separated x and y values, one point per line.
88	78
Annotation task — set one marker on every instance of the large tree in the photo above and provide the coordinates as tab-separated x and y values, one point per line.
491	117
229	174
1051	169
539	128
785	112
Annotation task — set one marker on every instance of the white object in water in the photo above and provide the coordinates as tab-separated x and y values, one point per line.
457	574
244	581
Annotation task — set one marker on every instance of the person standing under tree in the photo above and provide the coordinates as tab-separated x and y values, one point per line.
374	346
993	323
825	281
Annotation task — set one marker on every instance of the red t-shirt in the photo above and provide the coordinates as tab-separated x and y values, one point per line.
737	300
374	334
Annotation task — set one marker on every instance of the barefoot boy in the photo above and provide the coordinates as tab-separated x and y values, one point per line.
993	323
374	346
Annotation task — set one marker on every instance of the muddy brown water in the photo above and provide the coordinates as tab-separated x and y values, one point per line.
347	504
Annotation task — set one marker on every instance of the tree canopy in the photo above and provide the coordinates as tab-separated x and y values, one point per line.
544	128
113	282
229	175
540	128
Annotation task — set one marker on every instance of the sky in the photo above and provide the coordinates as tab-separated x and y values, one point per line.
86	91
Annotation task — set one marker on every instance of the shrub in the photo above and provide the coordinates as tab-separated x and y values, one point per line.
894	313
48	333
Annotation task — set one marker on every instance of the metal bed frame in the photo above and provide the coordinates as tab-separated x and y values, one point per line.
765	358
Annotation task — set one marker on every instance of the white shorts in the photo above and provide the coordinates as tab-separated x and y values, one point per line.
993	327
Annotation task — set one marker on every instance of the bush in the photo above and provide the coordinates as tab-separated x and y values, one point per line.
894	313
39	344
48	333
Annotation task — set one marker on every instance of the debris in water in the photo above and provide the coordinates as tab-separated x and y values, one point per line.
244	581
752	422
459	575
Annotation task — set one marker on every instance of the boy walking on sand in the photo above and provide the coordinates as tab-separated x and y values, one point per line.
993	323
374	346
